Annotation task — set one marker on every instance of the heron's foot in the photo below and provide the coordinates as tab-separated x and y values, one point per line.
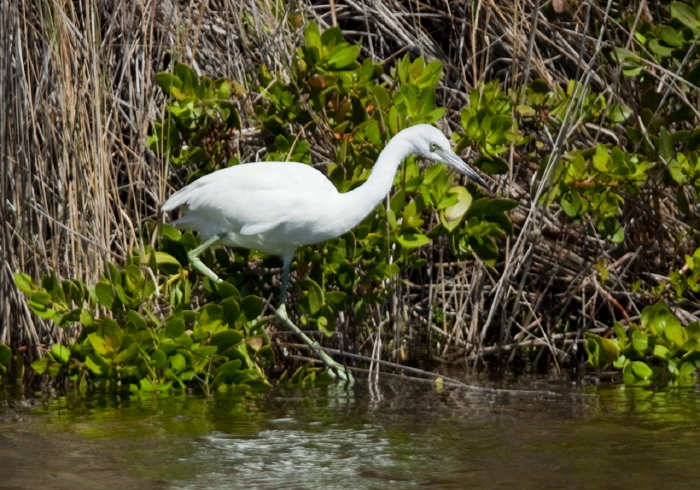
334	368
338	371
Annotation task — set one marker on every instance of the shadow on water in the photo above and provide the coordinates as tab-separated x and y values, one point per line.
399	434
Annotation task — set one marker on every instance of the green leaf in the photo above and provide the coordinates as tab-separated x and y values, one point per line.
24	282
190	80
526	111
641	370
600	158
41	365
227	290
61	353
127	356
660	49
336	299
71	316
226	339
282	144
601	351
620	332
112	334
674	333
592	346
666	146
5	355
312	36
251	308
640	341
231	311
488	207
572	204
686	369
412	239
98	344
96	364
145	384
343	57
41	298
611	349
224	88
662	351
685	14
210	316
158	358
170	84
134	317
492	164
671	36
611	229
178	363
105	294
315	296
163	258
619	113
464	200
228	370
206	350
184	340
657	318
385	270
175	327
620	362
41	310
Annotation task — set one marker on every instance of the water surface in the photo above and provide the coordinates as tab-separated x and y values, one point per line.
400	434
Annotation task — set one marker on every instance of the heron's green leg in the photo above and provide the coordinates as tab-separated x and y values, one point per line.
194	254
334	368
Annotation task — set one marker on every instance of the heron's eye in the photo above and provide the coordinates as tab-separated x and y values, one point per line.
434	146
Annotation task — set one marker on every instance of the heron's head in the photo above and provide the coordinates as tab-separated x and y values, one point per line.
432	144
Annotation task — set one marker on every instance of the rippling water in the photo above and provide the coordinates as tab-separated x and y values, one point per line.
397	435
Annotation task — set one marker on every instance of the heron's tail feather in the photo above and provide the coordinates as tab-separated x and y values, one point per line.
177	199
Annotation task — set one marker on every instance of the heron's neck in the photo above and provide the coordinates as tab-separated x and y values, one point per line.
362	200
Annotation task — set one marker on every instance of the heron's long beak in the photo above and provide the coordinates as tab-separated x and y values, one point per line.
453	160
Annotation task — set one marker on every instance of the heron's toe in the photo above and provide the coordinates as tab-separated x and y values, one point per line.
343	374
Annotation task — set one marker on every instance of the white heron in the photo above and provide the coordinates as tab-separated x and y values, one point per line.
276	207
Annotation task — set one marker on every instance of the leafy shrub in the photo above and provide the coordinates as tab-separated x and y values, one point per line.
663	132
658	349
489	127
124	345
201	120
687	280
594	182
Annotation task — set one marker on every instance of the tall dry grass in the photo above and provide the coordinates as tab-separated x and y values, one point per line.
77	94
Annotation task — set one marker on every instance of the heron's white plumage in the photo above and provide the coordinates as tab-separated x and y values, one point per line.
268	206
275	207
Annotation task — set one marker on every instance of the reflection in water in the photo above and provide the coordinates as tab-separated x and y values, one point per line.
411	435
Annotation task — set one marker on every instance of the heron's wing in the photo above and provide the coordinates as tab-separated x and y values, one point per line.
256	228
250	198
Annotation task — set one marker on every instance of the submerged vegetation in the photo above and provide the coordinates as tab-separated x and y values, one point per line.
585	120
